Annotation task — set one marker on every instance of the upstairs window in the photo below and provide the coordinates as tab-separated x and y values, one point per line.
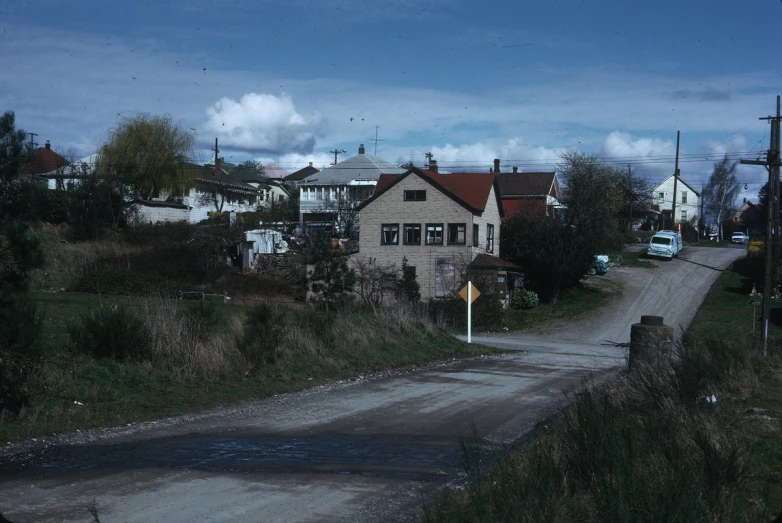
390	234
684	196
412	234
475	229
415	196
661	198
434	233
457	234
489	238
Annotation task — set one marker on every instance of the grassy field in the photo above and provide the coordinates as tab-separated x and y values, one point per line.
315	347
647	446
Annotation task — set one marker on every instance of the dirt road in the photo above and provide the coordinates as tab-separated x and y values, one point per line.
351	451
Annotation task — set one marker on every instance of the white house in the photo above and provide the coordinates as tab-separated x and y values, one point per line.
688	200
327	196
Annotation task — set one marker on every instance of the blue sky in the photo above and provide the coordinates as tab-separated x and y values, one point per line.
469	81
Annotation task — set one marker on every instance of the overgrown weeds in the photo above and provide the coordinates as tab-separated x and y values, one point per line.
649	446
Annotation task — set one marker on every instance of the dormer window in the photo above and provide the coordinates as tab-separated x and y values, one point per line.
415	196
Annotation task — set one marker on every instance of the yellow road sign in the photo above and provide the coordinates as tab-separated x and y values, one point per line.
474	293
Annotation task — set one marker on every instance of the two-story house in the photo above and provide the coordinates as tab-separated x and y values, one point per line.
439	222
686	197
331	196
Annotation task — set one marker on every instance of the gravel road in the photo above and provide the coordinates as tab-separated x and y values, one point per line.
360	450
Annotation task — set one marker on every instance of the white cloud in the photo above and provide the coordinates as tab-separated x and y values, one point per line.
261	122
479	156
623	145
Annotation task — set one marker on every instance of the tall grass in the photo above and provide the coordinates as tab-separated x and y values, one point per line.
648	446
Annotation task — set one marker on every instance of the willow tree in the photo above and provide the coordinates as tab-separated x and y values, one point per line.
146	156
722	190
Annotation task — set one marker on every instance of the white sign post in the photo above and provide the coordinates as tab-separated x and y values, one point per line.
469	294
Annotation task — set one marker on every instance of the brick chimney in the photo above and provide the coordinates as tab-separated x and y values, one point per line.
515	170
48	145
433	166
310	164
361	149
497	166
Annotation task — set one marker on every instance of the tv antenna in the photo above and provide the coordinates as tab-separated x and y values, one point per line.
376	139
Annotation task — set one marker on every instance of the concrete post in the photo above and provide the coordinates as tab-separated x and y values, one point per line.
650	342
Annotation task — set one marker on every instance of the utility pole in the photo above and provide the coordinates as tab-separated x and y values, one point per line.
429	157
217	161
32	143
630	200
772	163
703	200
375	139
336	152
675	182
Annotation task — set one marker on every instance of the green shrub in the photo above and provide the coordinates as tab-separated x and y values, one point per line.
524	300
126	282
202	318
114	332
21	327
264	330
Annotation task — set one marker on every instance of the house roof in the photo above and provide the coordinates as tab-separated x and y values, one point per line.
470	190
44	161
525	184
301	174
681	180
487	261
362	167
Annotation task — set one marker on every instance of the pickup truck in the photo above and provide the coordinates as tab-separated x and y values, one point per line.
665	244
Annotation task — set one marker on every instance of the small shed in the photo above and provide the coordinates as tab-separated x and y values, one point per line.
499	277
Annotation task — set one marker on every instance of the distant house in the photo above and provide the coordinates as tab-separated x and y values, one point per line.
274	171
687	199
439	222
296	177
44	160
750	217
331	196
530	194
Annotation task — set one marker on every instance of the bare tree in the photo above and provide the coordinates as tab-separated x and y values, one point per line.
343	204
721	191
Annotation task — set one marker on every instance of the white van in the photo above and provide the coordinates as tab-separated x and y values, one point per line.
665	244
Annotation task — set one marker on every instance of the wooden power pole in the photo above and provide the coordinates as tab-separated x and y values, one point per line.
675	182
772	163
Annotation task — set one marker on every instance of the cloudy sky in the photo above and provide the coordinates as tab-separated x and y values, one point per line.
288	81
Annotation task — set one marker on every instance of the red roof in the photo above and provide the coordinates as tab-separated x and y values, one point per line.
526	184
487	261
44	161
468	189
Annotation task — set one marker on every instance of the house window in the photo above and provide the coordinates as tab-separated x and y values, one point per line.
390	234
661	198
684	216
684	196
444	277
434	233
489	238
415	196
457	234
475	229
412	234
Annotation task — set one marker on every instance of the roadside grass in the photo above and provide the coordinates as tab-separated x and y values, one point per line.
589	295
80	391
647	446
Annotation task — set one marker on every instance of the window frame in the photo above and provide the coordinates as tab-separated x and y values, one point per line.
404	231
684	196
415	193
490	238
383	233
683	216
476	231
426	234
464	233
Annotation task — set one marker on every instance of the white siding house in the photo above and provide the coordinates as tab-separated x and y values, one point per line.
688	200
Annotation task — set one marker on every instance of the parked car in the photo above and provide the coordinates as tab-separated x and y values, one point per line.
739	237
665	244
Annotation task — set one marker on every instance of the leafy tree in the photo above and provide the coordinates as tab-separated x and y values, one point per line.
331	278
593	200
635	190
721	191
145	156
20	252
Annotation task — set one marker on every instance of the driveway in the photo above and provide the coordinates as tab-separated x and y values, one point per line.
361	450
